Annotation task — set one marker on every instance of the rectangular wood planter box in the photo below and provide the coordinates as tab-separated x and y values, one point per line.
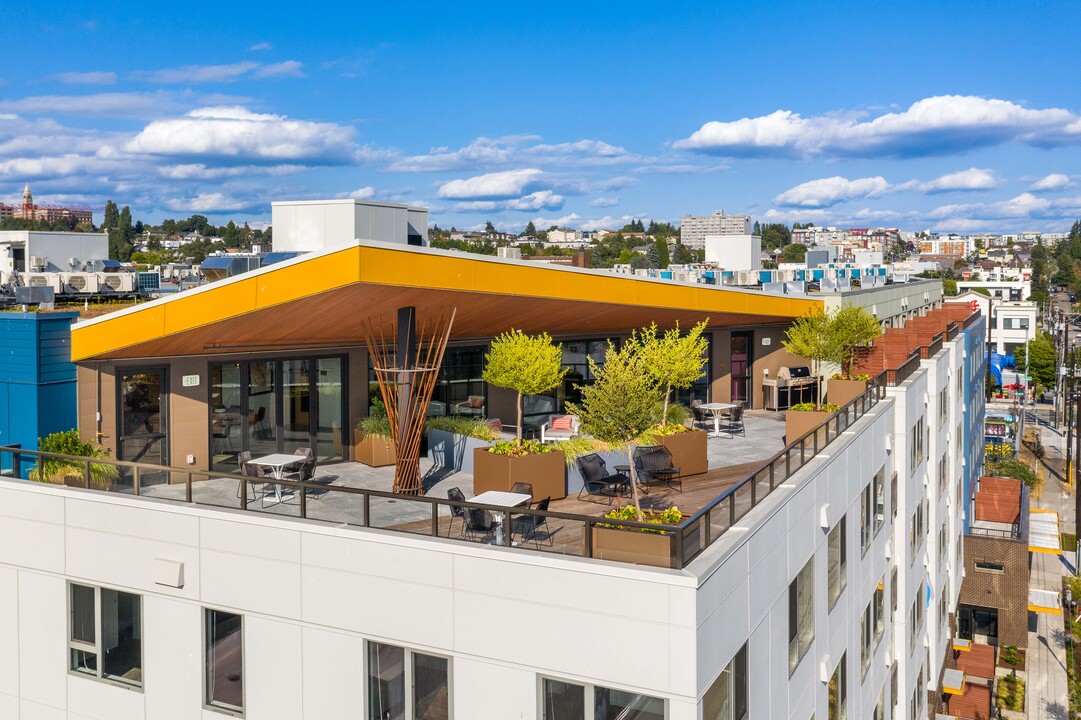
373	450
688	451
545	472
632	546
797	424
840	392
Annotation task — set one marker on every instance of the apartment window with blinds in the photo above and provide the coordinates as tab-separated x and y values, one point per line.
838	562
801	628
726	698
105	634
837	692
878	610
878	485
866	634
915	442
893	495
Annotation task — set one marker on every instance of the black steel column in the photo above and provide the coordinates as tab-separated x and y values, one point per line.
406	360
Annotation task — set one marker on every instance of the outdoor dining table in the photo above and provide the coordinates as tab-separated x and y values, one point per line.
715	409
502	499
277	462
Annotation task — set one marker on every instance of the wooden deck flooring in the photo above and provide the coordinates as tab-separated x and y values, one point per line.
566	536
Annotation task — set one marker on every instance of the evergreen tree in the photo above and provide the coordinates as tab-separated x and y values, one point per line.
489	228
661	246
112	216
530	230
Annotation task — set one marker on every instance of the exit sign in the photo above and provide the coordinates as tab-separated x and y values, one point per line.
190	380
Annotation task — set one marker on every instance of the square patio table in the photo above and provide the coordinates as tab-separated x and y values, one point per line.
277	462
715	409
502	499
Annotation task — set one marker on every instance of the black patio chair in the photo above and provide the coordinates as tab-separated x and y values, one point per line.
735	422
700	415
528	526
653	466
523	488
253	474
596	480
456	510
479	523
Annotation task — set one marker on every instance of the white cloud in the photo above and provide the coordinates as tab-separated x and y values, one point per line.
485	152
605	202
1054	181
826	192
206	203
932	126
363	193
540	200
289	68
493	186
260	46
194	74
971	179
96	77
119	104
235	133
199	171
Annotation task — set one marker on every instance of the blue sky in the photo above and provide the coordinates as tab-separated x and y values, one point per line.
950	116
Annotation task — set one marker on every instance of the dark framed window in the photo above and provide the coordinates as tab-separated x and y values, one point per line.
726	698
223	650
105	634
143	415
407	685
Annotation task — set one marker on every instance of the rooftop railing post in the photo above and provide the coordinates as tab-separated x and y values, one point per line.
303	501
367	505
243	493
676	550
187	489
435	519
754	490
772	476
587	530
86	478
731	510
136	481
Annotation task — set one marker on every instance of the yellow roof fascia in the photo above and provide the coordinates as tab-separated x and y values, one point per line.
384	264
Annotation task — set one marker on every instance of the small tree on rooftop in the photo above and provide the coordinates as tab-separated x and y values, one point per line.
811	337
852	328
530	364
624	401
675	360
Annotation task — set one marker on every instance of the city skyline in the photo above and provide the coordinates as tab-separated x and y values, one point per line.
921	117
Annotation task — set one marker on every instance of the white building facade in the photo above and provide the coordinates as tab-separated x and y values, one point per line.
312	225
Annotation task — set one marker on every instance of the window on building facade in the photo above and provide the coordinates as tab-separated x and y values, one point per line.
866	518
866	635
837	692
990	567
224	653
726	698
893	495
943	405
916	614
563	700
407	685
915	441
893	593
915	533
943	464
105	634
880	706
943	540
918	694
801	628
878	610
879	485
837	558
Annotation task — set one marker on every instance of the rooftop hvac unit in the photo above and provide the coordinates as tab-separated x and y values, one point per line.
117	282
80	283
38	262
46	280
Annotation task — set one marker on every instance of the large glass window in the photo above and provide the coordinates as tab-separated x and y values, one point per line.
741	362
878	483
866	513
837	696
105	634
460	389
837	570
801	628
700	390
567	701
407	685
224	653
273	406
726	698
576	356
143	416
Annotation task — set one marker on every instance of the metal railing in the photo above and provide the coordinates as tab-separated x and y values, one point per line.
704	527
1014	533
898	376
951	331
930	350
686	541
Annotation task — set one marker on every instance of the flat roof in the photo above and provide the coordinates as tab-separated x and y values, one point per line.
325	298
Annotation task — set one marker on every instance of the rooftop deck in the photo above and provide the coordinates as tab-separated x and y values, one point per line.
742	471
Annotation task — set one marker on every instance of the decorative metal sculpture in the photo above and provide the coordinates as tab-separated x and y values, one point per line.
406	368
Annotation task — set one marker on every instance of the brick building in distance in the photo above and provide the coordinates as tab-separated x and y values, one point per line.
45	213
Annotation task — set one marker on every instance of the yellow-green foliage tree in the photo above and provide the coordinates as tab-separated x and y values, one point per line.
530	364
674	359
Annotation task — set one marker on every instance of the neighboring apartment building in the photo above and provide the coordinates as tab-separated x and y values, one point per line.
820	588
693	229
1012	323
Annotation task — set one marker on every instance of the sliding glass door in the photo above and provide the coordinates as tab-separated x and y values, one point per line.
277	406
143	416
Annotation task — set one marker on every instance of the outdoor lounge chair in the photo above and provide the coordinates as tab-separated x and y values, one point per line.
253	475
700	415
559	427
596	480
653	465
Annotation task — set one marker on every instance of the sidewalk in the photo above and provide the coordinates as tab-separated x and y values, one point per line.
1047	691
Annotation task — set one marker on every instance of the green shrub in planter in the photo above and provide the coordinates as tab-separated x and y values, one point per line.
56	470
469	427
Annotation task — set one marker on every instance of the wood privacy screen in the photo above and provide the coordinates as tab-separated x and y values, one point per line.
406	366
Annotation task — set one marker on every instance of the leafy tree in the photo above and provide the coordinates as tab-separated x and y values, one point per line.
949	287
852	328
112	216
810	337
794	253
832	337
530	230
624	401
675	359
530	364
1038	359
489	228
681	255
775	235
641	262
663	259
